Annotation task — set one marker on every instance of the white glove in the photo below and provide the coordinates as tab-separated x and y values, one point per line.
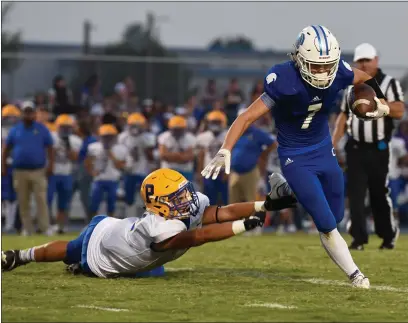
381	111
223	158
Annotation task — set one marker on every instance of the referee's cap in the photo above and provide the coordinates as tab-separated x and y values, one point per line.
364	51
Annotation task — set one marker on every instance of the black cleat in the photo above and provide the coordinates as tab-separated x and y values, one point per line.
74	269
356	246
390	244
10	260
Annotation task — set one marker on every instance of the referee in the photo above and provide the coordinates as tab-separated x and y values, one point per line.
368	154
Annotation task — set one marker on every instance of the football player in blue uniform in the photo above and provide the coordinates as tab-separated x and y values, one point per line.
300	94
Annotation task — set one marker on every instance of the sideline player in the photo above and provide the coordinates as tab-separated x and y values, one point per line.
300	94
176	219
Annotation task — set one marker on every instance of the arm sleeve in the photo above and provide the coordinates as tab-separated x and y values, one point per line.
271	93
345	106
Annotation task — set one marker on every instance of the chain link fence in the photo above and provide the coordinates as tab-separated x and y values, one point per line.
169	78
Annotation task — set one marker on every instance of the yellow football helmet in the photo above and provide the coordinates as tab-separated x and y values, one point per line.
107	130
169	194
107	134
177	122
136	123
136	119
217	117
10	111
64	120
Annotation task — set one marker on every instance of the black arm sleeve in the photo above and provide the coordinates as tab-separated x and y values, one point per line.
373	83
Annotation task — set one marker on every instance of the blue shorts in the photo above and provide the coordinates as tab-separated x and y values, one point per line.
132	185
7	190
98	191
63	186
77	251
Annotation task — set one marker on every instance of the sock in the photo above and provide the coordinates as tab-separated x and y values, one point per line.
11	208
338	251
27	255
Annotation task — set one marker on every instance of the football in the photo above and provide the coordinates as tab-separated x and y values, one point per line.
361	100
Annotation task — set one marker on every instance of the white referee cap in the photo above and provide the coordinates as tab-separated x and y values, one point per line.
364	51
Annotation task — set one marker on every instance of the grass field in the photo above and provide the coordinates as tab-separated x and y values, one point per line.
264	278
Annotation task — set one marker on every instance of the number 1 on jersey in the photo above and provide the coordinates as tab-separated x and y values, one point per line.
313	109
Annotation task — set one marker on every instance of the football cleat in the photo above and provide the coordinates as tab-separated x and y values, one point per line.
358	280
10	260
391	244
279	186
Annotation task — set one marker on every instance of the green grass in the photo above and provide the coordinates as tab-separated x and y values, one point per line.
215	282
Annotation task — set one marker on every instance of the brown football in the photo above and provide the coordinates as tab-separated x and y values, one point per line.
361	100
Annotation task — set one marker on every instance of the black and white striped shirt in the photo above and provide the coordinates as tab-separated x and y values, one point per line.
375	130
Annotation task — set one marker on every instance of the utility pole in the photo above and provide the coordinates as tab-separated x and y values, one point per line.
87	28
149	65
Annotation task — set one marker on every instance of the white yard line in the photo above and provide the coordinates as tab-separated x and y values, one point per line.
317	281
271	305
341	283
109	309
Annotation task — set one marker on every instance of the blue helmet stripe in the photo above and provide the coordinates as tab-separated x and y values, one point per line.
318	38
325	40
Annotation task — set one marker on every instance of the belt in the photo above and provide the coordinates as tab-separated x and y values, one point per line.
379	145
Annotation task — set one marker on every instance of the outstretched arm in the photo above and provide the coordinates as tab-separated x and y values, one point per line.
243	121
209	233
239	126
396	109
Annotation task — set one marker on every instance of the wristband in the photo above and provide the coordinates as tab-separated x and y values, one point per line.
259	206
216	214
238	227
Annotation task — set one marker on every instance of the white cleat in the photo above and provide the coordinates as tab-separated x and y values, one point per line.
360	281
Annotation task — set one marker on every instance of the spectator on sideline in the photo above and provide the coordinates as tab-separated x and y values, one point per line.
233	98
210	94
177	147
60	97
10	115
91	92
84	179
31	146
248	164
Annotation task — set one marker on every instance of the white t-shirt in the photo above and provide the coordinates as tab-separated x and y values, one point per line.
122	247
210	143
173	145
397	150
103	164
137	161
62	164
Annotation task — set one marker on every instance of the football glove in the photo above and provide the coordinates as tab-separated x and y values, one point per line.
254	221
281	195
381	111
222	159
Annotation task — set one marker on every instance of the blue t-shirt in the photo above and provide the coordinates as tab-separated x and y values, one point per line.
301	111
29	145
84	148
249	147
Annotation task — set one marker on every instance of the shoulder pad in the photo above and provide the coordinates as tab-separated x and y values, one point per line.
283	79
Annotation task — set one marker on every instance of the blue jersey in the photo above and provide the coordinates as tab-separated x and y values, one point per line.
301	111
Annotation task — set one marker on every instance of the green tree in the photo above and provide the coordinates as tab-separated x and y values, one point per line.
10	41
164	80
